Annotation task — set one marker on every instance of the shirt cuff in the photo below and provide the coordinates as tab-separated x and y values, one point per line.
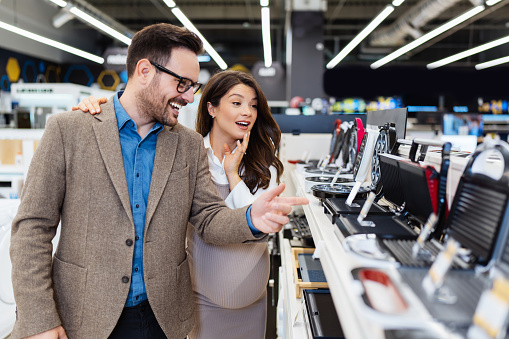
253	229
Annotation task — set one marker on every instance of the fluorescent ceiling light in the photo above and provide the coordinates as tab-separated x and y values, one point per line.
100	25
267	48
363	34
264	3
203	58
492	2
428	36
170	3
52	43
469	52
396	3
60	3
208	47
492	63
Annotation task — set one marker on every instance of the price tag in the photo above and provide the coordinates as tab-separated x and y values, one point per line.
353	193
319	164
305	156
437	272
366	207
424	235
324	163
336	176
492	312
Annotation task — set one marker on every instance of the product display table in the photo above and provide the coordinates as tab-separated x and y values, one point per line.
358	319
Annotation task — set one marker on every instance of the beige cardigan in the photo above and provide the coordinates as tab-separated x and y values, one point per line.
77	177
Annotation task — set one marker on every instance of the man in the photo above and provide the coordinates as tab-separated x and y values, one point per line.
124	187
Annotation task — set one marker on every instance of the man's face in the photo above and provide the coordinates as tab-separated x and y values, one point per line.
161	101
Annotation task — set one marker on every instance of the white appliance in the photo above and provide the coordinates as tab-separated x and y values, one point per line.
8	210
37	101
10	185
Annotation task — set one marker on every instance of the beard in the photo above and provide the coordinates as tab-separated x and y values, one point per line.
155	108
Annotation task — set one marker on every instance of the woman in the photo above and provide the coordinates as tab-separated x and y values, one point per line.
230	281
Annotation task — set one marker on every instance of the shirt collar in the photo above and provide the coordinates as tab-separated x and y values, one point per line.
123	117
206	143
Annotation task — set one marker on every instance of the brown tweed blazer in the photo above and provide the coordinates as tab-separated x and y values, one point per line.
77	178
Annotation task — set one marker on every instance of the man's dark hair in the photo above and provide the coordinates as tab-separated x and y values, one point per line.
156	42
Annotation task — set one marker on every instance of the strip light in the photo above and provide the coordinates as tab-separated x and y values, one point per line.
428	36
492	2
492	63
60	3
170	3
361	36
267	47
208	47
101	26
468	52
52	43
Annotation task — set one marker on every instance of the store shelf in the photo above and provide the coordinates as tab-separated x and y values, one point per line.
294	323
358	320
21	134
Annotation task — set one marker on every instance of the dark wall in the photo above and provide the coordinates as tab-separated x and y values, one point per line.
305	71
320	123
418	85
30	70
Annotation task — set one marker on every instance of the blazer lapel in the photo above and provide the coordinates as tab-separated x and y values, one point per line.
106	132
166	148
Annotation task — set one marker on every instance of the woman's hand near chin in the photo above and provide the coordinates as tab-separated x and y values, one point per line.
232	161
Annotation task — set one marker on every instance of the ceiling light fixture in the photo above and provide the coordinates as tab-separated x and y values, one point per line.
170	3
361	36
100	25
60	3
396	3
492	63
428	36
267	47
492	2
264	3
467	53
51	43
208	47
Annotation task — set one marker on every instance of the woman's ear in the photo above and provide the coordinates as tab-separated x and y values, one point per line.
211	109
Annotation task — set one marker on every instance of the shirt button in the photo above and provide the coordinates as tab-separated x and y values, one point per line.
125	279
129	242
137	238
132	124
222	172
137	175
136	270
137	205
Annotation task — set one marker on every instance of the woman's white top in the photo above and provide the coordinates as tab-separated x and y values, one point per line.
241	195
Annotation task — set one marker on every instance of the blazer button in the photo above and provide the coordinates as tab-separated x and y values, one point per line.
129	242
125	279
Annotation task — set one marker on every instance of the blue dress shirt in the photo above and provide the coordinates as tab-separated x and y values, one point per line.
138	155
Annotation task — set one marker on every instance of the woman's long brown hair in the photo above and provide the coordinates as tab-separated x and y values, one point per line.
265	134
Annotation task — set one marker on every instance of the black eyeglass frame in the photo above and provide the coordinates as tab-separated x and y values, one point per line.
195	85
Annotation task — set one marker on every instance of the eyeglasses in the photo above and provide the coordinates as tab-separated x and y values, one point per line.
184	83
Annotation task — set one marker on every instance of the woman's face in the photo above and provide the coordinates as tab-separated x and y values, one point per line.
236	113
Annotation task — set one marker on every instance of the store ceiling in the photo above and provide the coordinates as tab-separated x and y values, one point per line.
233	27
